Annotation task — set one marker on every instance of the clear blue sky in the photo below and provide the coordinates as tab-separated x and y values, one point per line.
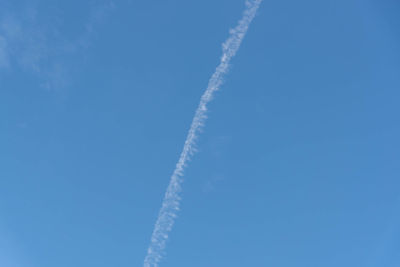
298	165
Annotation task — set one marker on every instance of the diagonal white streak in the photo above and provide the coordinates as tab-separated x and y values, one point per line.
171	202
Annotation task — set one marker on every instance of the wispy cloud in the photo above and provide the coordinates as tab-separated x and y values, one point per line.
25	42
171	202
96	17
211	184
28	44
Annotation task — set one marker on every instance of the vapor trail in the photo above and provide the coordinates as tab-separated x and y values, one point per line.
171	202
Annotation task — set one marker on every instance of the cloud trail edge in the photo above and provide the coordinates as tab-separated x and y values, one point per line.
171	202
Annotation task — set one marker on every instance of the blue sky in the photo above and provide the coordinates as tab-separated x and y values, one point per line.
297	165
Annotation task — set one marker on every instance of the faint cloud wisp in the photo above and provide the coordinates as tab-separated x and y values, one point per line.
35	47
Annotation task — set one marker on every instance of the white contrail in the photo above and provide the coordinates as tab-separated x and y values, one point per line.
171	202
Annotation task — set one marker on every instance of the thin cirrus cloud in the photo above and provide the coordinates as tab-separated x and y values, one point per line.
23	42
41	49
171	202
